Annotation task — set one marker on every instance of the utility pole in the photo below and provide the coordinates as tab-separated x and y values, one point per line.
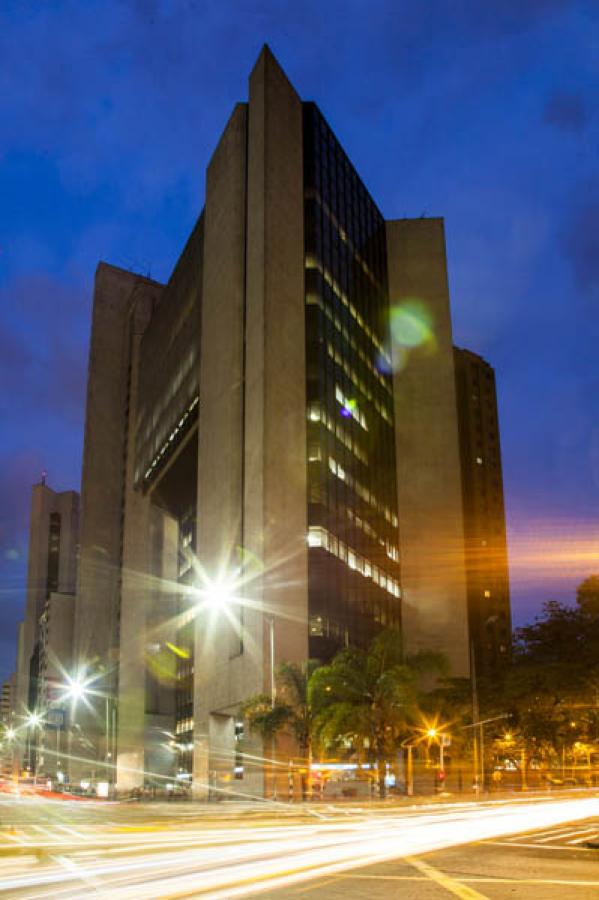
475	717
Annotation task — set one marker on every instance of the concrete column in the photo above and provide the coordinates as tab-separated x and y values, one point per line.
252	448
275	498
434	599
221	670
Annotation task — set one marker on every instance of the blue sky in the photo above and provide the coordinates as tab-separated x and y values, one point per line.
485	113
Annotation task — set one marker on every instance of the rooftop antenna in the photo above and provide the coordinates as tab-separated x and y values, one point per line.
44	476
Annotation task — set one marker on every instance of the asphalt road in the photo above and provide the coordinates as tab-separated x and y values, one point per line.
549	864
70	849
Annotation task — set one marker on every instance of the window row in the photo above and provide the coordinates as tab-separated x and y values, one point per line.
171	438
312	263
313	194
316	414
351	373
390	549
184	725
349	408
320	537
363	492
316	300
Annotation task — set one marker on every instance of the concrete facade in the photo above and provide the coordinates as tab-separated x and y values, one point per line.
434	599
122	305
252	451
53	544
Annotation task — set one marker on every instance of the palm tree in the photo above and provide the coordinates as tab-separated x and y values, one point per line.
368	699
290	712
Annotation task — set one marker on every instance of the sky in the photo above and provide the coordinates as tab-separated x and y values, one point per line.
482	112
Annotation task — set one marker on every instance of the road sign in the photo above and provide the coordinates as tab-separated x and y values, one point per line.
54	718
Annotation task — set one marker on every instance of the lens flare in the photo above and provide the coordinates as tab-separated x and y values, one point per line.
411	324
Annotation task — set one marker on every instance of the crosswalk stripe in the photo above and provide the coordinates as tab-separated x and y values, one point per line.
564	834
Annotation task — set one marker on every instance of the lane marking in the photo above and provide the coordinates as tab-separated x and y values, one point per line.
450	884
565	834
539	846
479	879
320	884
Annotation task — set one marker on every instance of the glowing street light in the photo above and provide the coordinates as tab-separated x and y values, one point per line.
216	596
34	720
75	689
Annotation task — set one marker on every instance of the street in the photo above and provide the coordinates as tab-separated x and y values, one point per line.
524	847
540	865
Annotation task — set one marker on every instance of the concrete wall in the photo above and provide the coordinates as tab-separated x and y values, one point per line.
44	502
103	489
220	672
434	602
252	403
58	652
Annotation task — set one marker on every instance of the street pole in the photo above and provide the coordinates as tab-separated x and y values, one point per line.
271	630
482	756
475	716
271	636
107	741
410	772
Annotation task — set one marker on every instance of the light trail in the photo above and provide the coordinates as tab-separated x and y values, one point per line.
253	856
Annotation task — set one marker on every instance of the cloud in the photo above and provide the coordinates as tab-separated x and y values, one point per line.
566	112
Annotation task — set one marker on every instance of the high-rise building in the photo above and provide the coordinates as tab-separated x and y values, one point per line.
484	513
271	462
7	699
45	635
7	725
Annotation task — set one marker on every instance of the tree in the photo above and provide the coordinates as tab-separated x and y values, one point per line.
368	699
291	713
587	596
552	687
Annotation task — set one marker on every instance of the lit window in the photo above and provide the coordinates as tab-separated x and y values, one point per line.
487	593
316	537
316	626
314	453
479	460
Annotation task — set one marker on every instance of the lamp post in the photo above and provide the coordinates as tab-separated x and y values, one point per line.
409	767
479	726
216	597
78	688
33	721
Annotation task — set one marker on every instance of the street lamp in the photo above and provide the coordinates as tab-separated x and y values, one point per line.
78	688
216	596
33	721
